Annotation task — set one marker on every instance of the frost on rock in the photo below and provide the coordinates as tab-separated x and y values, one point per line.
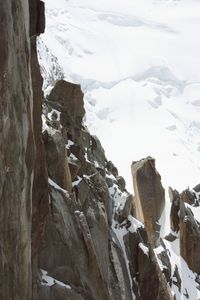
56	186
49	281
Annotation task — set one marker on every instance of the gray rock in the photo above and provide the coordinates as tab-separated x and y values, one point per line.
17	151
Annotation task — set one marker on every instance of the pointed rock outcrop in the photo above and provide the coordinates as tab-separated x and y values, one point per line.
149	196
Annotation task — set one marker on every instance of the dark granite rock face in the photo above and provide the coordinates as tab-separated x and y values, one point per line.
37	17
175	209
17	151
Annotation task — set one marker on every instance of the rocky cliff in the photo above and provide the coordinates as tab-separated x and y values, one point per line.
17	151
69	229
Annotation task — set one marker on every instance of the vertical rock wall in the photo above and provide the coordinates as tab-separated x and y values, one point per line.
17	151
40	203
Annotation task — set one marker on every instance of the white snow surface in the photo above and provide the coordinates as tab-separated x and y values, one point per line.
138	64
49	281
56	186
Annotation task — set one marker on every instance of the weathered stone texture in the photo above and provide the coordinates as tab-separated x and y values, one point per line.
17	151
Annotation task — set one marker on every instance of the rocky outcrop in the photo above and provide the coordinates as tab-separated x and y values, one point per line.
153	284
149	196
182	220
189	238
190	197
17	151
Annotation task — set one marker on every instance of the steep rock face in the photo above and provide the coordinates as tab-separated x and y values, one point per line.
182	220
189	238
153	284
17	151
78	222
40	202
149	196
93	247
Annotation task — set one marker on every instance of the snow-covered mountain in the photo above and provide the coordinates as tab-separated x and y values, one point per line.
138	65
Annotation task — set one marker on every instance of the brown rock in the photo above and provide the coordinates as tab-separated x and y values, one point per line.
149	195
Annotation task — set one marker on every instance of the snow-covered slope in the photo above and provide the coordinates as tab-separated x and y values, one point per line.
138	64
